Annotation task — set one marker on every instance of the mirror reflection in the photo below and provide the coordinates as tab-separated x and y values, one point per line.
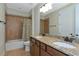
62	19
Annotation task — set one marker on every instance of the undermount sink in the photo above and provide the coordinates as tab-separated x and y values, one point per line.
39	37
64	45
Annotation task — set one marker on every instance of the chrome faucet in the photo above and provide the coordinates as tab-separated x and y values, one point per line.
70	38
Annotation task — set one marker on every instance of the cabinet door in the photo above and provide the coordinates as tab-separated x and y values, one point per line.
32	48
36	50
37	43
44	53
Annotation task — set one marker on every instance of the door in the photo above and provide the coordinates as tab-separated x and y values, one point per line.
41	26
46	26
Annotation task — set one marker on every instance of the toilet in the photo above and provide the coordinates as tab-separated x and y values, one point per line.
27	45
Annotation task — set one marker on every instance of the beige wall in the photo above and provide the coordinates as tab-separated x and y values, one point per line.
2	29
53	23
2	11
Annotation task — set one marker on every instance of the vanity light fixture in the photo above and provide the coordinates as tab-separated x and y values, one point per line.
46	7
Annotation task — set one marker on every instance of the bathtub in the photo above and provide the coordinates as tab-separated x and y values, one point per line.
14	44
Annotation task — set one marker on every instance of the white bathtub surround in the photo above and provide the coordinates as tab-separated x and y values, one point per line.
19	43
14	44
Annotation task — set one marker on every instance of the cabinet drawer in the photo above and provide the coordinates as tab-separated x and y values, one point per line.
43	46
54	52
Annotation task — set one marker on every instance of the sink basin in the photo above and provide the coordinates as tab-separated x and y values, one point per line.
39	37
64	45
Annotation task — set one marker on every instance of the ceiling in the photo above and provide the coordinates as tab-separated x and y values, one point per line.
55	6
24	9
20	7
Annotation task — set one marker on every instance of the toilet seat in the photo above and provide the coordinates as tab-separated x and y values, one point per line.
27	45
26	42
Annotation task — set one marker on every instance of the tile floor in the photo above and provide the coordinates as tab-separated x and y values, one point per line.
17	52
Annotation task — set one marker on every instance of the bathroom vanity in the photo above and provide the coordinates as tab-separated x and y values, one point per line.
42	48
52	46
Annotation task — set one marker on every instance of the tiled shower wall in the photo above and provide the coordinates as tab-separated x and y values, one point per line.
14	25
17	28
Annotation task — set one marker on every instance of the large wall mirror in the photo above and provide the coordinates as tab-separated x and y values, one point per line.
64	21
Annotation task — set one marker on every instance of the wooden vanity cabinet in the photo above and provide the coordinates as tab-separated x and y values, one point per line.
38	48
43	46
44	53
32	47
43	50
54	52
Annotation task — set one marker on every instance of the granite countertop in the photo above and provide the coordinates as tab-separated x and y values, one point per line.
50	39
